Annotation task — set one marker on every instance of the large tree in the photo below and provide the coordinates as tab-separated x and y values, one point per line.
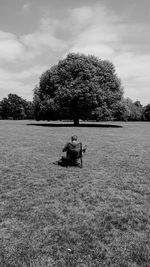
75	87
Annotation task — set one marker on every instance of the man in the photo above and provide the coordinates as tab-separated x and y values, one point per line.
74	152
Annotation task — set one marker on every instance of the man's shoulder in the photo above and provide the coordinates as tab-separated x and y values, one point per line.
75	144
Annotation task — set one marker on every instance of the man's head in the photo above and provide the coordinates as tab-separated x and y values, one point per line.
74	138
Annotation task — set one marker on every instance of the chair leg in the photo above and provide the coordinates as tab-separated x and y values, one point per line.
81	162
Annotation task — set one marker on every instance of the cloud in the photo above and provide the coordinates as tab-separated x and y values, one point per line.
23	58
24	74
38	42
98	50
26	7
135	74
44	38
30	46
81	16
135	66
21	82
107	36
10	48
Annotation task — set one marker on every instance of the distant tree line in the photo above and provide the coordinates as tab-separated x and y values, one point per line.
16	108
78	87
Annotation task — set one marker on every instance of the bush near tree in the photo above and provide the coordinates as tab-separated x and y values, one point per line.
76	87
135	110
146	113
16	108
121	111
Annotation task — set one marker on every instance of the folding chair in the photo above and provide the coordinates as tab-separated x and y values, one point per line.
74	153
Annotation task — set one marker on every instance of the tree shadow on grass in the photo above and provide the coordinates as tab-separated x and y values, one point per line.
95	125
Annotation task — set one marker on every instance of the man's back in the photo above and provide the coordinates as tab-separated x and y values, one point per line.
74	150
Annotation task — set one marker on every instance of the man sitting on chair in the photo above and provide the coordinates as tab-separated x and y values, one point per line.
74	153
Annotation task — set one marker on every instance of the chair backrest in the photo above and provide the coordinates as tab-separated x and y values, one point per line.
74	151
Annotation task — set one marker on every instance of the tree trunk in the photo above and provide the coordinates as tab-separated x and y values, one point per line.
76	121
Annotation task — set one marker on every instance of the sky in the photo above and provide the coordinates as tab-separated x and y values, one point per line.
35	35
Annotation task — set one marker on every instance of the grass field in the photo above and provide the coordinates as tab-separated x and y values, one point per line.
95	216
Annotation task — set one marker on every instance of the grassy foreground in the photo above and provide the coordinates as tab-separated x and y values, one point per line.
54	216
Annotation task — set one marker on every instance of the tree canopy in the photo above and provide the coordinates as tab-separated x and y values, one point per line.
77	86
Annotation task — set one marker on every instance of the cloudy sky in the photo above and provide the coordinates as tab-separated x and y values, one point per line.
35	34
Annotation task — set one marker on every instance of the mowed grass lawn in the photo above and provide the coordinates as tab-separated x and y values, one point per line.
95	216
